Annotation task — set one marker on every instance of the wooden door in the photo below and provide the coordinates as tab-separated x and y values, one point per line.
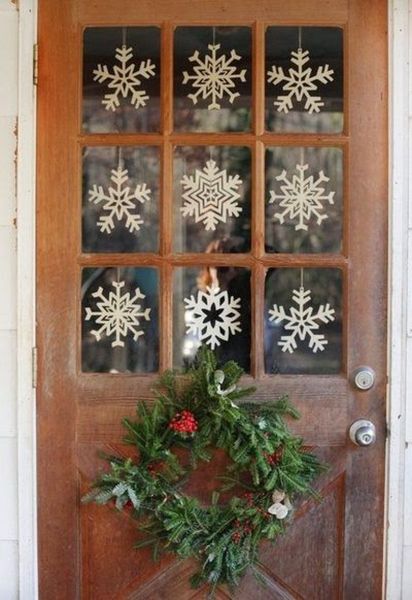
163	132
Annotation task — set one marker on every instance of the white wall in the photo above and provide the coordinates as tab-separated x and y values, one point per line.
8	317
17	539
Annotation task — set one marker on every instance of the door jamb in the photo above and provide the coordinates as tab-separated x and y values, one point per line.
399	181
26	399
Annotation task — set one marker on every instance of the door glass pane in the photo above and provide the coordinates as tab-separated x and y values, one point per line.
121	79
304	79
212	186
304	199
212	78
211	306
303	321
120	332
121	199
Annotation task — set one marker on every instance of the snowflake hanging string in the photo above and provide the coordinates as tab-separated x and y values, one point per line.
214	77
125	79
117	314
301	197
299	82
302	322
119	202
213	316
211	195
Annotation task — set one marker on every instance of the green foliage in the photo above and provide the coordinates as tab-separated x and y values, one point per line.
267	460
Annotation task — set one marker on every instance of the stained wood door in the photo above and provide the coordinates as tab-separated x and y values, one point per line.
333	549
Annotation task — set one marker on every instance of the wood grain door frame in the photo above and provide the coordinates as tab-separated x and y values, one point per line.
58	504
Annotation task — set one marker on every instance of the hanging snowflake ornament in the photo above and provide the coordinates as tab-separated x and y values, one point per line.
213	316
214	77
299	82
118	314
301	197
125	79
211	195
302	322
119	202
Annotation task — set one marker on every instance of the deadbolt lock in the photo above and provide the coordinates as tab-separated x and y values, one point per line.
363	378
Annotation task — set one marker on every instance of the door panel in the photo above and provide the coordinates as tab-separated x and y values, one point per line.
333	549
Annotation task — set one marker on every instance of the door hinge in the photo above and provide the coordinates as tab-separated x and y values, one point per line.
35	64
34	367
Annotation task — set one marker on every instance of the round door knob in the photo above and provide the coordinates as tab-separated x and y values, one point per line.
363	433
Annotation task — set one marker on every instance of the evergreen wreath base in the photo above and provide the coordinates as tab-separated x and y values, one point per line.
269	465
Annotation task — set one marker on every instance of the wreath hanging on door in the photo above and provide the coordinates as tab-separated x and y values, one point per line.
269	469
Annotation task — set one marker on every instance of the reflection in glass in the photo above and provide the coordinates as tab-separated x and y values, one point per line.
121	199
121	79
212	199
211	305
304	79
120	332
303	321
212	78
304	199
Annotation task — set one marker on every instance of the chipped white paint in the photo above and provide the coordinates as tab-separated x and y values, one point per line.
8	169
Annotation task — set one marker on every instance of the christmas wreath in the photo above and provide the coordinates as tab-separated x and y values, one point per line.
269	469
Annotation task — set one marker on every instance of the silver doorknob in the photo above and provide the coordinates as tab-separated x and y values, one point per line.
363	433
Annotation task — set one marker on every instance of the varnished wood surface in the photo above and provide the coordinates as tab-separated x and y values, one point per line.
334	549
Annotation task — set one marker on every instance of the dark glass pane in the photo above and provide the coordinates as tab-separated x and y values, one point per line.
212	78
121	199
121	79
212	199
120	331
212	307
304	79
303	321
304	203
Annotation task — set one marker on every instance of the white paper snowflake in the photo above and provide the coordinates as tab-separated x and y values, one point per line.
299	82
125	79
119	202
117	314
211	195
214	76
213	316
301	197
302	322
